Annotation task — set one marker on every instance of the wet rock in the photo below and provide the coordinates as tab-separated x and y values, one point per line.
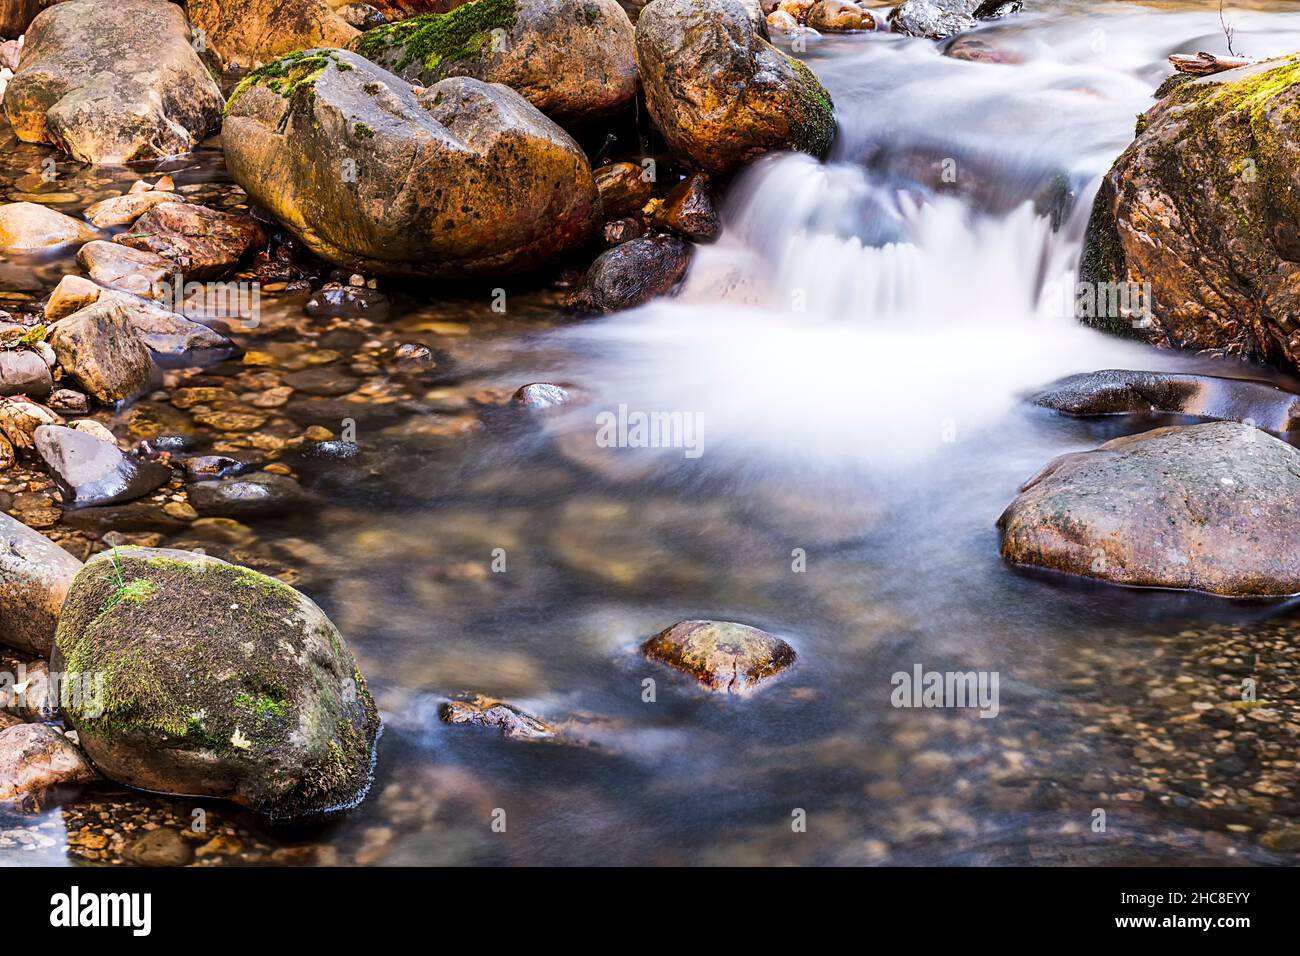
335	300
219	682
30	227
333	450
414	358
838	16
363	16
624	189
89	426
620	231
719	92
112	83
571	61
35	574
436	211
979	51
481	711
136	271
69	402
1212	507
724	657
203	243
126	209
173	337
1217	241
541	395
1123	391
688	210
100	348
779	21
134	517
36	757
936	19
254	31
210	467
20	418
161	847
259	495
24	372
635	272
93	471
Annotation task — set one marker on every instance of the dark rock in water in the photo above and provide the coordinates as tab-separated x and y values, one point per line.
173	443
134	516
336	300
219	682
23	372
259	495
724	657
976	50
161	847
624	189
1212	507
1122	391
634	273
540	395
688	210
482	711
205	243
322	380
208	467
620	231
95	472
414	358
936	19
332	450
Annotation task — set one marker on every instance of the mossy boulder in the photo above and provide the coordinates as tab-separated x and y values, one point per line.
218	681
572	59
720	93
112	82
1212	507
463	179
1205	207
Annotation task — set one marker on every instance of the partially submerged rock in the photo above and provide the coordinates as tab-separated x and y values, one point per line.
635	272
1212	507
112	82
219	681
463	179
1124	391
126	209
136	271
93	471
35	758
936	19
482	711
720	93
31	227
688	210
724	657
99	347
35	574
203	243
573	61
259	495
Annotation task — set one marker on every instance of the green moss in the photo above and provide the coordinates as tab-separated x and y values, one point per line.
818	133
293	77
433	42
362	131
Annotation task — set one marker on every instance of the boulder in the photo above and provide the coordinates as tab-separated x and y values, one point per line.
93	471
249	32
1212	507
219	682
36	757
112	82
635	272
936	19
131	270
719	92
35	574
1200	217
30	227
464	179
573	61
203	243
24	372
725	658
99	347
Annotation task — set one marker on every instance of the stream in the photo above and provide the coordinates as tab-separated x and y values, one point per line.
856	351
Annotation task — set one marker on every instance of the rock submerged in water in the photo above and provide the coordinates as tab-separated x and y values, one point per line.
463	179
1212	507
725	658
573	61
259	495
1205	206
35	574
112	82
219	682
720	93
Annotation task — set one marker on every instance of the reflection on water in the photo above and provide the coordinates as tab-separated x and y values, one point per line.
856	347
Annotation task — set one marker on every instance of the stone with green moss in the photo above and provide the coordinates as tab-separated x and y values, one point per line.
1201	216
217	681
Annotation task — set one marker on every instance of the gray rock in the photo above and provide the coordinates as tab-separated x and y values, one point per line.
259	495
936	19
24	372
137	271
94	472
35	574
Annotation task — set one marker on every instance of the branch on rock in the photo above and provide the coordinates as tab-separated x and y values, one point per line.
1206	64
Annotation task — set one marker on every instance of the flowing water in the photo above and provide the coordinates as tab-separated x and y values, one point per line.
855	353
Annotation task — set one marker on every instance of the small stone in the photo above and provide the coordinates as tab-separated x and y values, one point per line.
724	657
635	272
100	348
258	495
123	210
24	372
161	847
624	188
540	395
72	294
688	210
29	227
484	711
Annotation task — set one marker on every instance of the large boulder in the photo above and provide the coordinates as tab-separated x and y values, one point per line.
1204	206
35	574
218	681
112	82
465	178
720	93
1212	507
572	61
250	32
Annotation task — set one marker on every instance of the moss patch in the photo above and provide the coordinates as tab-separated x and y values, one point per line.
293	77
818	133
426	46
